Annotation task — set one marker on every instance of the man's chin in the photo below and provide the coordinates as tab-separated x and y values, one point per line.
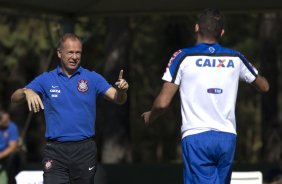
73	67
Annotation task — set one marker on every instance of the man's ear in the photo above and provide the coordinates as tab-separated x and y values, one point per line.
197	28
59	54
222	33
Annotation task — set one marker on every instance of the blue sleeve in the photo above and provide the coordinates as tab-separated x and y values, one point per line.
36	84
102	85
14	134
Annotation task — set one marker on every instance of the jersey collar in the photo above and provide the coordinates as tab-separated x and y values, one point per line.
208	44
59	71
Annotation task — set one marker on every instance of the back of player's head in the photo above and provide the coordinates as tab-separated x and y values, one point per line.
210	23
65	37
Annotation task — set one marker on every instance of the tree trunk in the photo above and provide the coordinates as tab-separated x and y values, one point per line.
116	131
271	133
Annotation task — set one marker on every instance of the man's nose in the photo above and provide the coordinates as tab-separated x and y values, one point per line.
75	55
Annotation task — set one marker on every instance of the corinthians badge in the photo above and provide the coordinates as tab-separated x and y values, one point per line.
48	164
82	85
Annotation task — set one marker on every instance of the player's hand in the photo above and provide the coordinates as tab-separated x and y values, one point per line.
121	85
146	117
33	100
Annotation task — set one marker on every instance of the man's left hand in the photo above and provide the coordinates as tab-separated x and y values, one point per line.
121	85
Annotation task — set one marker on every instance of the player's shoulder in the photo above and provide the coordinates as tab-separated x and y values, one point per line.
234	53
188	50
12	125
86	72
183	52
51	72
228	51
47	75
90	73
210	49
179	55
44	77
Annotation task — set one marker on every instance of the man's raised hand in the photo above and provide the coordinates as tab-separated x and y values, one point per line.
121	84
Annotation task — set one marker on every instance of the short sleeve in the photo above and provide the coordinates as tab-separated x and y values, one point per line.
248	72
14	134
172	72
102	85
36	84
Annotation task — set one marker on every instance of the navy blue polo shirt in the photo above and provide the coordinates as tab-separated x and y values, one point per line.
69	103
8	134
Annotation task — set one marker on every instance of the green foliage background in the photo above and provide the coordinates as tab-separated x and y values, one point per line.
28	44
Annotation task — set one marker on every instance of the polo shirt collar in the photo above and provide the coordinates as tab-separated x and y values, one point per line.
60	72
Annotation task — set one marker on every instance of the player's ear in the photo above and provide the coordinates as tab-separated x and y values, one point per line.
197	28
222	33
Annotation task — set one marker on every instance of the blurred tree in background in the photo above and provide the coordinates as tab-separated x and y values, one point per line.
142	46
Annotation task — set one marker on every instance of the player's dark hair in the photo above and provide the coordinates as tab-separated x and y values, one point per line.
210	23
65	37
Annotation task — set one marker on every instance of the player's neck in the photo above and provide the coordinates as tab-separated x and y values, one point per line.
201	39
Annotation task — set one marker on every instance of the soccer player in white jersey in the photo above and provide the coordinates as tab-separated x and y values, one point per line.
207	77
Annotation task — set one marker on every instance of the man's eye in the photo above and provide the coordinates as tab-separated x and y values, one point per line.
71	53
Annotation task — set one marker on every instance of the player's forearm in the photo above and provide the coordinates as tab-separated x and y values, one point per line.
261	84
120	97
158	108
9	150
18	96
155	114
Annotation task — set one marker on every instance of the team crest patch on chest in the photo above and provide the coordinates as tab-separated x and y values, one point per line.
6	134
82	85
48	164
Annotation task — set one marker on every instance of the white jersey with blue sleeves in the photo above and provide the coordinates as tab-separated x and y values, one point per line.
208	77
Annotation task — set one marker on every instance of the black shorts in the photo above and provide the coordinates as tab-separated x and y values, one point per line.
70	162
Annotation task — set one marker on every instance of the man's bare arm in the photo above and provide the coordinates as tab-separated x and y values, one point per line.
18	96
161	103
33	99
12	147
261	84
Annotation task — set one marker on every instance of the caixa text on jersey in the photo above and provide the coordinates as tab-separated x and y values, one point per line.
224	63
